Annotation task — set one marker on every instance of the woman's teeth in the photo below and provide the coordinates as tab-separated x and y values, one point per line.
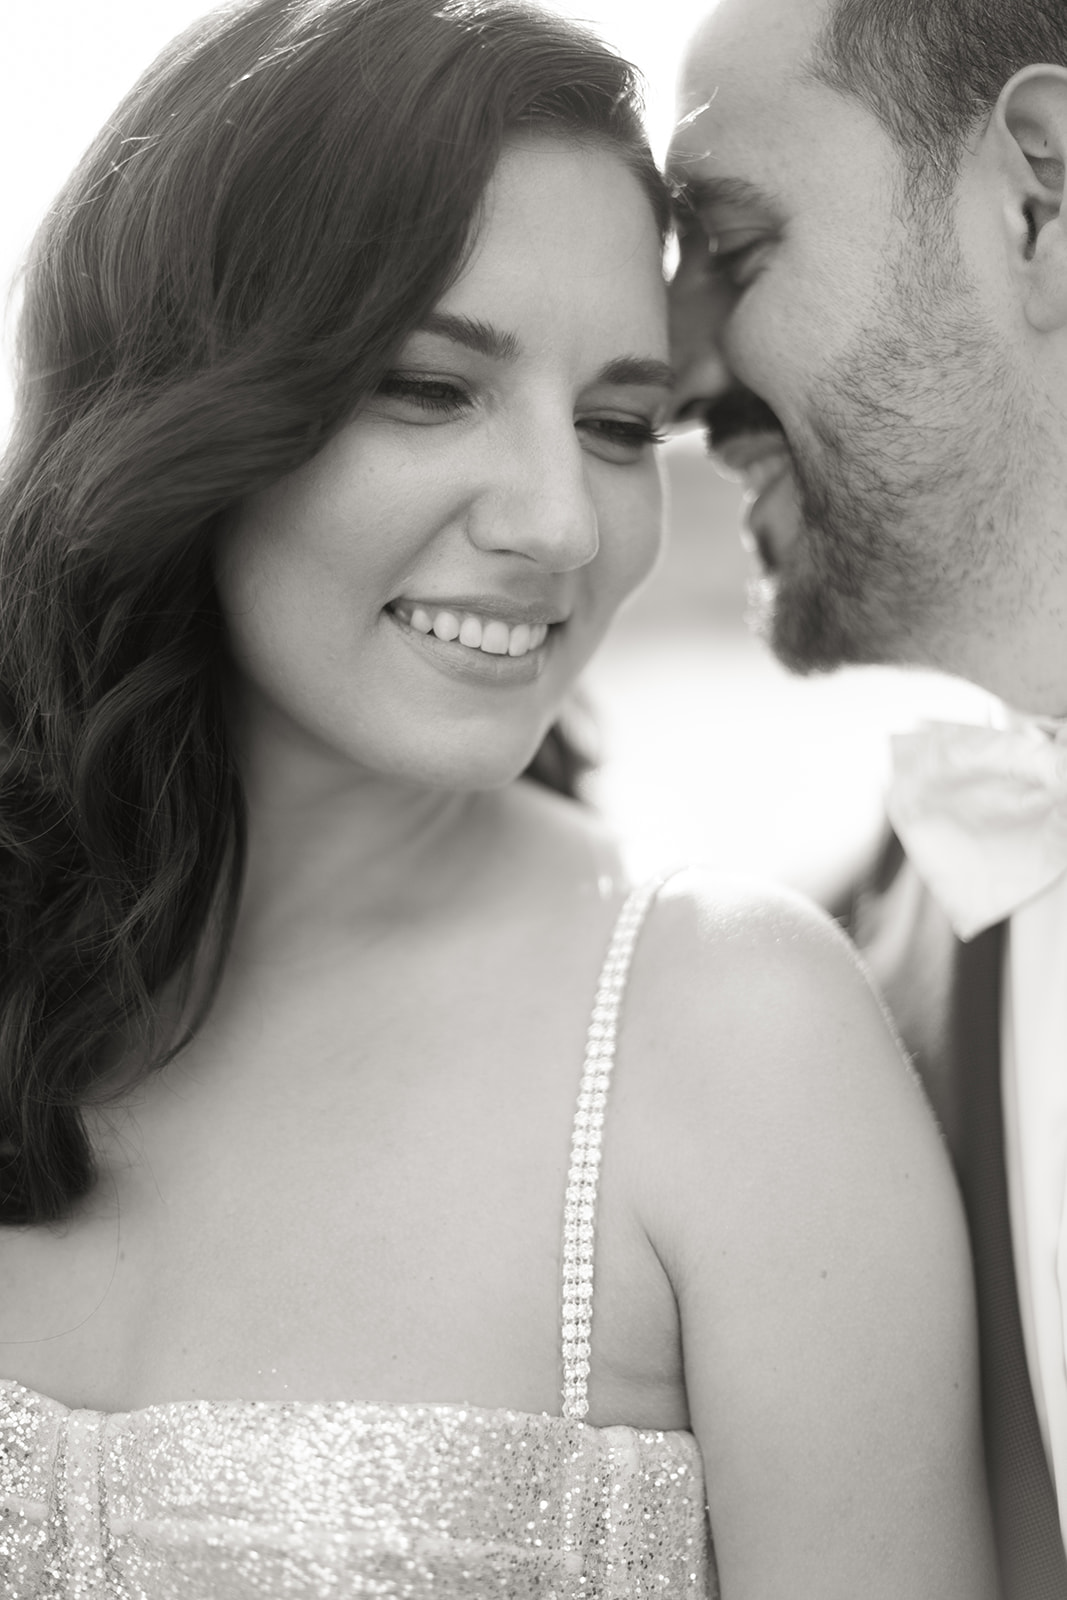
477	633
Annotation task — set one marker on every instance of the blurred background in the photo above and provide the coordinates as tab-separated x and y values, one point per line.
711	751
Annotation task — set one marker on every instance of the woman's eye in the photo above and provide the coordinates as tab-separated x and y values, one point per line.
620	438
438	395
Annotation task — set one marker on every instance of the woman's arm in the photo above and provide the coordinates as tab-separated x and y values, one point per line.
805	1211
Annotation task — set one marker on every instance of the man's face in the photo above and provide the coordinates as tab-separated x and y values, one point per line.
849	360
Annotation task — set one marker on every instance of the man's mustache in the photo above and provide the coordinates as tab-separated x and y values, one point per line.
733	414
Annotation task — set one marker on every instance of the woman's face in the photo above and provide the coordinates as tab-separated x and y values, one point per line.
418	598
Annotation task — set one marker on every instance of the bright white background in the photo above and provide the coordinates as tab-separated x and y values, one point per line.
712	752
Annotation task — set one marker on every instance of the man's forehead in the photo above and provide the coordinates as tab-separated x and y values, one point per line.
748	50
744	81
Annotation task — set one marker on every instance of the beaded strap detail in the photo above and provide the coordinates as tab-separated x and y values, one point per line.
579	1212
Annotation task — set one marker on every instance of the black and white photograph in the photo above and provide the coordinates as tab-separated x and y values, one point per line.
533	800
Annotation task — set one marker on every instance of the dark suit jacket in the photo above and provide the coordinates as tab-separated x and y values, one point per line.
945	1000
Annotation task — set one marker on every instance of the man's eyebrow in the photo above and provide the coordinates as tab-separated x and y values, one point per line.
642	370
475	335
702	193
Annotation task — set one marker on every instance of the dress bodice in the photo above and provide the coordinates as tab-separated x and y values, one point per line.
210	1500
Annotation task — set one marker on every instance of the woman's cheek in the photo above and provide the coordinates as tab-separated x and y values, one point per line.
642	538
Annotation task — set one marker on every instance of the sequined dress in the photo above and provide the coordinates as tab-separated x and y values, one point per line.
209	1500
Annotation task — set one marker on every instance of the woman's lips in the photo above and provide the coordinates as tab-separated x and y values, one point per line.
494	635
497	624
450	643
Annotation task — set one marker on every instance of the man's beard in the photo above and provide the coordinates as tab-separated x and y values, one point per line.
904	488
849	589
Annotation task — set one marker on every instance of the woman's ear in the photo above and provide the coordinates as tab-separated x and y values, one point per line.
1029	129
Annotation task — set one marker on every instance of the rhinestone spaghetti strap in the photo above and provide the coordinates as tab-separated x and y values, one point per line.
579	1212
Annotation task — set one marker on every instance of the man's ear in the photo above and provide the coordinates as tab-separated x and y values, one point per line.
1029	126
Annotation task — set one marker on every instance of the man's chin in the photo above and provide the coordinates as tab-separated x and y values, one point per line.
802	625
793	603
762	597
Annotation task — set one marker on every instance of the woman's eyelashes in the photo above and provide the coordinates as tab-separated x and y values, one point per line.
444	396
614	438
620	439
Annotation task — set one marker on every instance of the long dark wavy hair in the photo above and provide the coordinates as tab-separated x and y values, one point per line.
277	203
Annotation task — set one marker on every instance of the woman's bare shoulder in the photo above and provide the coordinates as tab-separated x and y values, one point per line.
794	1185
761	1075
748	1009
751	964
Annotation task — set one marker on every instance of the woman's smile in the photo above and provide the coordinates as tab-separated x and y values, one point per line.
479	648
488	506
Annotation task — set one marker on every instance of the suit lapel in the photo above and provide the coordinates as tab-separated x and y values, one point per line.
945	999
1033	1564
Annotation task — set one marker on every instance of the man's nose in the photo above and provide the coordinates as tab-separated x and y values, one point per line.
698	311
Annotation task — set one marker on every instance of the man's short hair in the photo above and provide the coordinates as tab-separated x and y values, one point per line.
931	70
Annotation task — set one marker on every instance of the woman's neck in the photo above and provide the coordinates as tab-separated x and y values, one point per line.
357	849
331	844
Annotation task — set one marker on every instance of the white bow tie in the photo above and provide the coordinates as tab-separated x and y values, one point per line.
982	814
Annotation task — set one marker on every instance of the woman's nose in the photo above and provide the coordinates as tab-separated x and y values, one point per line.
540	503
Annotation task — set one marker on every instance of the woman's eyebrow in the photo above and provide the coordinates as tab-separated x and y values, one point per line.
643	370
486	340
474	334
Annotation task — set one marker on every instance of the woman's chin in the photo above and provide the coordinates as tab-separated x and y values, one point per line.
464	770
